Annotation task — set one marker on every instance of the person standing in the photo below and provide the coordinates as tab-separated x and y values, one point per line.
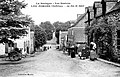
93	55
76	48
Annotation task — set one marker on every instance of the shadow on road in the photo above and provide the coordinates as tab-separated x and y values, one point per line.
65	53
15	62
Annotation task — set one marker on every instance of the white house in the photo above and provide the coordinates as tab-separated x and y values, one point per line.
26	43
63	38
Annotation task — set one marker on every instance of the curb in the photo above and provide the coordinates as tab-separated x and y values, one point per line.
2	56
109	62
105	61
24	56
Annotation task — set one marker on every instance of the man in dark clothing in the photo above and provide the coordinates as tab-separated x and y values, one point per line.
76	48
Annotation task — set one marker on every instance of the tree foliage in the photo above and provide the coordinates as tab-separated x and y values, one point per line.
47	25
49	29
62	26
40	36
12	20
101	32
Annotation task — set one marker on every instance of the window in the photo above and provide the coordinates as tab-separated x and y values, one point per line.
72	32
118	39
10	45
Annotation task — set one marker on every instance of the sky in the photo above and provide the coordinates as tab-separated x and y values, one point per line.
52	13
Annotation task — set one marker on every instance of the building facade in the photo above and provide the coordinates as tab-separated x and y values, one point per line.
104	29
26	43
63	38
76	33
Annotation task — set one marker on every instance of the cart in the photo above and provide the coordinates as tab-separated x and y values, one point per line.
15	54
84	53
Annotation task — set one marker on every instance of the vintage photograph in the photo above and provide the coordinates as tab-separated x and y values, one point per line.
59	38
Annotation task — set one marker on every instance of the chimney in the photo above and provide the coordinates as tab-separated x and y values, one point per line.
97	7
90	8
95	10
90	13
103	7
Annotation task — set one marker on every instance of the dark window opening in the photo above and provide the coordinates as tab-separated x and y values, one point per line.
118	39
118	34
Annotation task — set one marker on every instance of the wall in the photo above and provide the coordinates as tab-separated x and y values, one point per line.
63	37
79	34
24	42
70	35
2	49
31	41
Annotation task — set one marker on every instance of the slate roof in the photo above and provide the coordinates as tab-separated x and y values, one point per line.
80	18
116	7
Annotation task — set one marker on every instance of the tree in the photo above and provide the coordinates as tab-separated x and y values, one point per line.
40	37
62	26
101	32
49	29
47	25
12	21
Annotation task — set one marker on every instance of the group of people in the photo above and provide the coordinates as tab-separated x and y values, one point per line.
45	48
84	52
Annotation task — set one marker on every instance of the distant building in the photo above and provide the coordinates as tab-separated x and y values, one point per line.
63	38
76	33
32	39
53	40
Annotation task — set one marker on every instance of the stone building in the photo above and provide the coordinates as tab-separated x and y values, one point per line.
76	33
104	29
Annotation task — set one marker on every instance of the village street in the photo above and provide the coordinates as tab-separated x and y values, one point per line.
54	63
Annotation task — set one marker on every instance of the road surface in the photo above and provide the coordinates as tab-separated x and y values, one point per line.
54	63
